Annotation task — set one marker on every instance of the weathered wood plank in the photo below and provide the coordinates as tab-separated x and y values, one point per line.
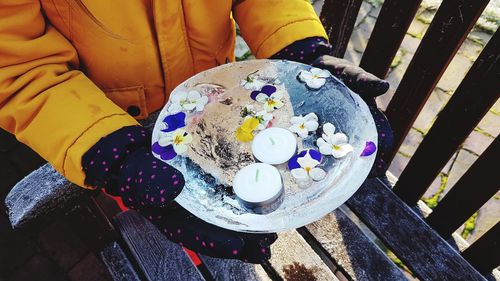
475	95
338	18
484	253
158	258
410	238
117	263
450	26
462	201
41	194
293	259
352	250
234	270
392	23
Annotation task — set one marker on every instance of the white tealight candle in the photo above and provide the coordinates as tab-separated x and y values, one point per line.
274	146
258	185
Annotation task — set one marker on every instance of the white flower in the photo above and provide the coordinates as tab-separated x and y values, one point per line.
308	171
303	125
271	102
251	83
332	143
187	101
179	139
315	78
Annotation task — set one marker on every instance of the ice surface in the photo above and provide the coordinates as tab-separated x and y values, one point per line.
212	199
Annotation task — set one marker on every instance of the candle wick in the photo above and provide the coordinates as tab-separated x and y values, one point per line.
272	141
257	175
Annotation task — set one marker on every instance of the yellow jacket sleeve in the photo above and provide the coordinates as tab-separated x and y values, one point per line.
270	25
55	110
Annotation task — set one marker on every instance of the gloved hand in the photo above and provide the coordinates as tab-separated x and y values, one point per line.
315	51
365	84
123	165
182	227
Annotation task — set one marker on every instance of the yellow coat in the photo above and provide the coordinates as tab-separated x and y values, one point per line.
70	69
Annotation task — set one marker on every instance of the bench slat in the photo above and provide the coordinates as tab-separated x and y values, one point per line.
450	26
338	18
410	238
475	95
117	263
483	254
234	270
352	250
292	257
41	195
158	258
461	202
392	23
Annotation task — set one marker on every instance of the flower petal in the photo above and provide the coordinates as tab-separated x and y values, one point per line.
292	163
166	140
315	154
268	90
317	174
342	150
189	106
277	95
243	135
369	149
176	97
316	83
278	104
166	153
250	124
320	72
311	125
338	138
200	103
311	117
254	94
193	96
299	173
326	149
307	161
180	149
174	121
297	120
174	108
305	76
188	138
328	129
262	98
320	142
157	148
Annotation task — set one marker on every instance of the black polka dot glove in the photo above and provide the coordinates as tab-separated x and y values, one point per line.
122	164
181	227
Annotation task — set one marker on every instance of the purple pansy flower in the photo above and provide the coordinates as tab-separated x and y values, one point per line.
267	90
304	167
293	164
369	149
174	122
165	152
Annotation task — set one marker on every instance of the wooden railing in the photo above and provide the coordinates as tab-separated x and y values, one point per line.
475	95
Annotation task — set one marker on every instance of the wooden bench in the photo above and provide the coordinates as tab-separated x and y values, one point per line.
380	225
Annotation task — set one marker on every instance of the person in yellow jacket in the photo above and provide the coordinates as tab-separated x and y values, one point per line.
75	75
